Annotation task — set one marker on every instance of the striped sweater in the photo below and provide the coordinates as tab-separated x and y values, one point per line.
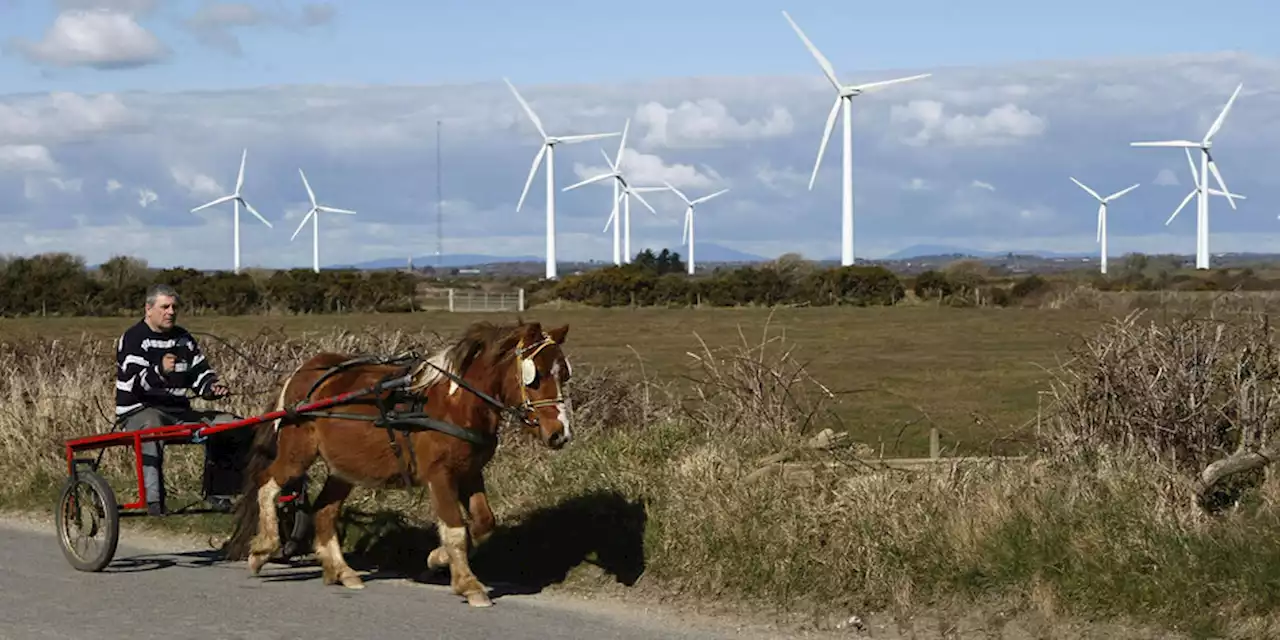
140	380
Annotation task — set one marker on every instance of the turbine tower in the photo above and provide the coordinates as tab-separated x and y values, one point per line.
548	149
1202	179
688	218
621	189
1102	215
844	98
236	198
315	223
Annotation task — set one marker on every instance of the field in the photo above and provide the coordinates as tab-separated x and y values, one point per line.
972	373
662	496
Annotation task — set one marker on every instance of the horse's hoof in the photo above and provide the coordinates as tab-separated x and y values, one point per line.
438	559
256	562
352	581
479	599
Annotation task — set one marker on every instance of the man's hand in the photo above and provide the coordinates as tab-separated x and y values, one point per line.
169	363
218	390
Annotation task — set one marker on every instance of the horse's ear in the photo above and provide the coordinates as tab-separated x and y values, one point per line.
558	334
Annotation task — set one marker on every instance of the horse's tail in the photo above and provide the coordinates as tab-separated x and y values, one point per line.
262	454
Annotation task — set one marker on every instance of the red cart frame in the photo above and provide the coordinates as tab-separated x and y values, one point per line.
186	433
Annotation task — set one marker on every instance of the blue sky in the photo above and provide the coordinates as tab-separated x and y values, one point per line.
128	134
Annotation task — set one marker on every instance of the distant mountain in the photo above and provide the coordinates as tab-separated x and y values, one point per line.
711	252
447	260
930	250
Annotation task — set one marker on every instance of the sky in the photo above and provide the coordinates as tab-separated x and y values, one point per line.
119	116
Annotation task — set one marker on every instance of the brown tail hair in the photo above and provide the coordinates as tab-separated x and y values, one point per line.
245	516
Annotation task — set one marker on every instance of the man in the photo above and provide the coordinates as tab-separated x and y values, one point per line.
158	362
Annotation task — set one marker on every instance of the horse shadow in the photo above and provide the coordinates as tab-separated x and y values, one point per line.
602	528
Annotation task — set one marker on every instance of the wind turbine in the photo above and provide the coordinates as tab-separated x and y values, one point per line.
1202	179
1195	190
621	189
1102	215
844	98
315	224
688	217
236	198
548	149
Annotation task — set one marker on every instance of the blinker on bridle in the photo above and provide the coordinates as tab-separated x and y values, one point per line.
527	374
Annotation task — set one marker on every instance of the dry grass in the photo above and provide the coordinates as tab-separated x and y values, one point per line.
656	485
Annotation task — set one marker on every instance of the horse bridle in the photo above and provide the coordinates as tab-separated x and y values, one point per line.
528	405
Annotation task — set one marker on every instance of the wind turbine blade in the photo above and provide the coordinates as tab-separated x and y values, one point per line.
885	83
254	211
613	216
603	176
827	69
1091	191
688	221
1195	173
333	210
537	159
310	194
527	109
575	139
1167	143
642	201
1185	200
1217	175
1234	195
1217	124
1102	213
622	142
240	176
708	197
213	203
826	135
677	192
302	224
1120	193
612	167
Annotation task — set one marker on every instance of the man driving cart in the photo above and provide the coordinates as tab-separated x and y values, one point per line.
158	362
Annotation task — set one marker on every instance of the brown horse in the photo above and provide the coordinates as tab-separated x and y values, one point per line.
491	371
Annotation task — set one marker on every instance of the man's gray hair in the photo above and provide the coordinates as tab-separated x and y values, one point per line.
158	290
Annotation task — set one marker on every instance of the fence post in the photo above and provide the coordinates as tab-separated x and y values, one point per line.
520	300
450	300
935	445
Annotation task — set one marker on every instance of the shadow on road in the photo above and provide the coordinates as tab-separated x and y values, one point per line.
601	528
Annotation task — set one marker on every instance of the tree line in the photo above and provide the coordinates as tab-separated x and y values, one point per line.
61	284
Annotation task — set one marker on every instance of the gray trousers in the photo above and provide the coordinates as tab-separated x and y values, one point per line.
153	452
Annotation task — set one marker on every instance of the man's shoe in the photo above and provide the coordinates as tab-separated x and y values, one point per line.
156	509
223	504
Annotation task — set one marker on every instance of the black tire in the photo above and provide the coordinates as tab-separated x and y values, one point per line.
106	512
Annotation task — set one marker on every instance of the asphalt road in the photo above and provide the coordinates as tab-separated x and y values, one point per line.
158	588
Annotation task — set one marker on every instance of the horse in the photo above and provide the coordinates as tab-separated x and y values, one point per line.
463	392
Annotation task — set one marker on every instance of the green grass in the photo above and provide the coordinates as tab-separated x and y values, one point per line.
972	373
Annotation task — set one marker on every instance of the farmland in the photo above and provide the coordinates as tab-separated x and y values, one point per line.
1098	525
972	373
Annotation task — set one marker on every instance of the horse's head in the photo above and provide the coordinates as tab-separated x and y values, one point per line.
539	371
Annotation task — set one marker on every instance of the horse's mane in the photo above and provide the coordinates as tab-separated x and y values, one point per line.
482	341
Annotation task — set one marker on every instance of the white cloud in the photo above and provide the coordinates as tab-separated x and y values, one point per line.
215	23
1166	178
146	197
97	38
644	169
705	122
978	184
61	116
1004	124
918	184
22	158
113	185
197	185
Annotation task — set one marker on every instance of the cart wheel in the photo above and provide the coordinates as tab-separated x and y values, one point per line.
87	507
